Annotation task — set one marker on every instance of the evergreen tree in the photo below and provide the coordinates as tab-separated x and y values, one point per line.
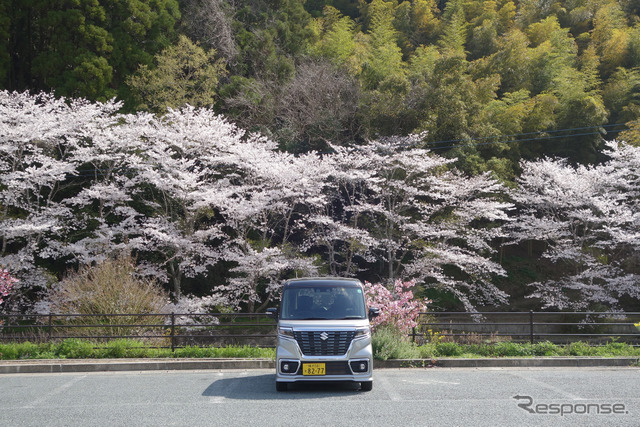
183	74
81	48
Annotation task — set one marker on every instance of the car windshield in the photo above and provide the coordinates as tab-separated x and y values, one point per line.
323	303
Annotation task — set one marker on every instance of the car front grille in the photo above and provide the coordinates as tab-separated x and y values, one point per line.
333	368
324	343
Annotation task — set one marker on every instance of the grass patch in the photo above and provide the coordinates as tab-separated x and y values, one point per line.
387	344
512	349
385	348
74	348
390	344
230	352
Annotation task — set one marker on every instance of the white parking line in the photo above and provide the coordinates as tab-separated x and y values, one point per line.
226	390
429	381
547	386
388	388
54	392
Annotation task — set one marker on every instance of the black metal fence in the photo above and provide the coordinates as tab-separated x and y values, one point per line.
155	330
530	326
176	330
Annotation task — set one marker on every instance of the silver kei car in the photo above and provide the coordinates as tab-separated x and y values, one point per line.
323	332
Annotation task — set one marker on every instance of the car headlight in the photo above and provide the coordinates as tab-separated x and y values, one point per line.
363	332
286	332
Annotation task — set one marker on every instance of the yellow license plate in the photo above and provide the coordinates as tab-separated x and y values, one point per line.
313	369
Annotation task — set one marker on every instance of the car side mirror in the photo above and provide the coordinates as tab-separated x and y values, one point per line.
272	312
373	312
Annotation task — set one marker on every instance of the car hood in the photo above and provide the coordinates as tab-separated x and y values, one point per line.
324	324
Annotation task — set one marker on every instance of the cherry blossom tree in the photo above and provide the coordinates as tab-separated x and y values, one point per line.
38	135
108	157
7	282
184	150
588	219
182	191
188	191
267	202
408	210
398	307
459	223
259	274
336	228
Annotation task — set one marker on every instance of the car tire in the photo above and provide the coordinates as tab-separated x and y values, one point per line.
280	386
366	385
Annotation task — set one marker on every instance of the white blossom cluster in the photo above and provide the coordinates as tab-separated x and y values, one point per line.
589	220
190	194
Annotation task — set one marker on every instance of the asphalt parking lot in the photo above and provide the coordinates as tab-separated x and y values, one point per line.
418	396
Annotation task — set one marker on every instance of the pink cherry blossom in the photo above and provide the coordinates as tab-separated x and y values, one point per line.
7	282
398	308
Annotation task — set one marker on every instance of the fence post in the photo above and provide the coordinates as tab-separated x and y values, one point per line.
531	326
50	331
173	332
413	334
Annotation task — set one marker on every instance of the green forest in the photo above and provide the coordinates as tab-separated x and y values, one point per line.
488	82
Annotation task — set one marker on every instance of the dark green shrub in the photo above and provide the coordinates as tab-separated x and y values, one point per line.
479	349
616	349
580	348
74	348
8	351
485	350
545	348
448	349
389	343
427	351
123	348
511	349
190	351
28	350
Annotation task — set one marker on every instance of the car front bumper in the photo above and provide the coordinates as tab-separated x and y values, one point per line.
355	365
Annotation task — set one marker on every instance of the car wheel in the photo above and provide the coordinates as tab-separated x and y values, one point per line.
280	386
366	385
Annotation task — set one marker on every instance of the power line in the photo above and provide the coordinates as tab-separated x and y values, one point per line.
525	133
507	141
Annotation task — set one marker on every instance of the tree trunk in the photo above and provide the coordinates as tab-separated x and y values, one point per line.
176	276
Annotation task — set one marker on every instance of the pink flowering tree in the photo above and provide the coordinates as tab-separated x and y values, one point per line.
398	308
7	282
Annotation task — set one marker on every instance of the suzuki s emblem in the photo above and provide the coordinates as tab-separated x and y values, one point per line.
324	336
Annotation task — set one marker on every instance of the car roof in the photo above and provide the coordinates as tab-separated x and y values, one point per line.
323	281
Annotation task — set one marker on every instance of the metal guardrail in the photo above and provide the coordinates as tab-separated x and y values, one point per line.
530	326
157	330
